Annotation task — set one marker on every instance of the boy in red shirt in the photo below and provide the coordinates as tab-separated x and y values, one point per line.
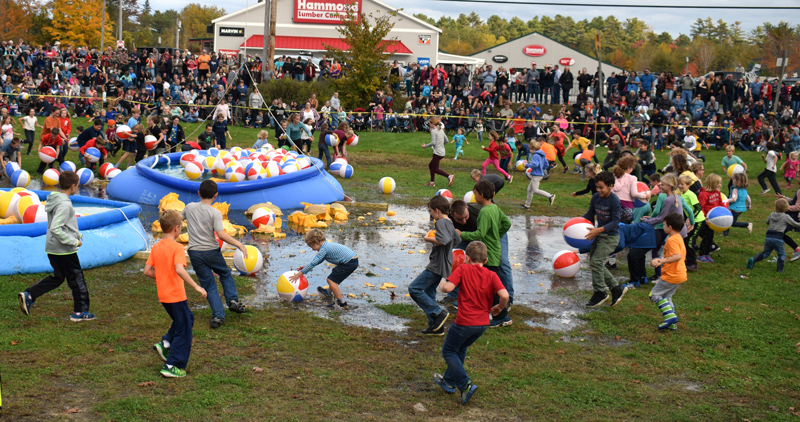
477	289
98	143
51	139
673	271
166	264
709	198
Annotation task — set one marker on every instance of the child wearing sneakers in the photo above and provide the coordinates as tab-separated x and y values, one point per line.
477	288
778	222
710	198
345	259
673	271
167	265
202	221
605	206
61	245
423	288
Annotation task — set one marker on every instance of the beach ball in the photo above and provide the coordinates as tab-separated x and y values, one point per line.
528	173
150	142
85	176
104	169
292	291
213	164
187	157
341	160
73	145
273	169
193	170
290	166
331	140
114	172
469	197
520	165
735	169
252	264
263	217
346	171
50	177
20	178
235	150
566	264
575	232
446	193
34	214
254	171
48	155
123	132
459	257
578	160
335	167
213	151
352	141
304	162
724	199
8	202
234	174
245	153
12	167
26	199
719	219
244	162
640	187
24	96
92	154
68	166
386	185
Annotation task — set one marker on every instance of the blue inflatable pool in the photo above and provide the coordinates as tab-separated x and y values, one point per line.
111	233
145	184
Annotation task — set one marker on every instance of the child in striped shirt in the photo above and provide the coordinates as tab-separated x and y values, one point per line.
345	259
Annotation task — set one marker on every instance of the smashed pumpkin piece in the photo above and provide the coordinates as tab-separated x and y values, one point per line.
9	220
170	201
302	219
322	225
232	229
222	207
184	238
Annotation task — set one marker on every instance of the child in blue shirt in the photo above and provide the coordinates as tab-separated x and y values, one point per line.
345	259
459	140
262	139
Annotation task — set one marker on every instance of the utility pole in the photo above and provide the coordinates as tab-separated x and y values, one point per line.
776	93
103	29
267	20
273	14
178	35
119	27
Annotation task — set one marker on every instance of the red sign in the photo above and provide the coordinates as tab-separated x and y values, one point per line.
229	52
330	12
566	61
534	50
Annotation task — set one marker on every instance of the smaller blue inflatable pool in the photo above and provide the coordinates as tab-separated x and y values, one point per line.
111	233
155	177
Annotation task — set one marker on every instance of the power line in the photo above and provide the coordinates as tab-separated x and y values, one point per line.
635	6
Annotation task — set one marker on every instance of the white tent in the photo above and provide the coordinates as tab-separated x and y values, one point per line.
447	58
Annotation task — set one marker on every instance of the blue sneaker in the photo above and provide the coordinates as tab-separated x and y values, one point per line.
25	303
467	393
632	285
645	281
439	379
750	263
668	323
505	322
81	316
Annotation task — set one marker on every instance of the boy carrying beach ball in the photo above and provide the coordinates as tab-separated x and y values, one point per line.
167	265
345	259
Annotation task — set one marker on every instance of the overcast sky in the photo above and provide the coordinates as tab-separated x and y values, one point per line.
674	21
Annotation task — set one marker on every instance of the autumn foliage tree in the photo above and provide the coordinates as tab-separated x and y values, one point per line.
15	22
79	22
365	60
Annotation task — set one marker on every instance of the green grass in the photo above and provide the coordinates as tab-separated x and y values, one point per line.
732	359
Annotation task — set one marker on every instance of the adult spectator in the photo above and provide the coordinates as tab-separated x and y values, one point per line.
687	89
532	80
566	81
335	106
646	81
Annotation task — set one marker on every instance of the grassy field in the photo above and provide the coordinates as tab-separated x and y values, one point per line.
732	359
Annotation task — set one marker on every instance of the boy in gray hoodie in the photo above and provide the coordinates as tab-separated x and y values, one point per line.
778	222
62	243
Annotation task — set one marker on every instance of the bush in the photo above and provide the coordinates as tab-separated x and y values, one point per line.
292	90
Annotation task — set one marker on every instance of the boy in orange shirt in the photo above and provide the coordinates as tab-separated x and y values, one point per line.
167	264
673	271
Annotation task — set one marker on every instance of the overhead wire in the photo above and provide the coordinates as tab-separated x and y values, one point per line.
634	6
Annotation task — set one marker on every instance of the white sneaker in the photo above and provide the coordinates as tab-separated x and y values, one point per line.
750	228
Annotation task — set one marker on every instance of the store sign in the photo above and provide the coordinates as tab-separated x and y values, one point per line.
231	32
228	52
424	61
500	58
534	50
566	61
424	39
331	12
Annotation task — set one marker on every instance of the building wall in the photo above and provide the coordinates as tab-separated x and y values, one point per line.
405	30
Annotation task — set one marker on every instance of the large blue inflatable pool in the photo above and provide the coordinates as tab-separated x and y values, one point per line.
146	184
111	233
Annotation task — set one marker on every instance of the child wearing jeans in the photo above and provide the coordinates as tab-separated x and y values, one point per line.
479	130
61	245
202	221
477	288
538	168
345	259
778	222
673	272
423	288
167	265
606	208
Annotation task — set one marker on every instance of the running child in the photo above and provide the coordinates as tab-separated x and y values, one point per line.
558	138
344	258
778	222
739	202
129	147
690	199
479	130
438	140
423	288
771	158
494	157
167	265
730	159
673	272
478	287
538	167
789	168
709	197
141	147
590	170
459	140
61	245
